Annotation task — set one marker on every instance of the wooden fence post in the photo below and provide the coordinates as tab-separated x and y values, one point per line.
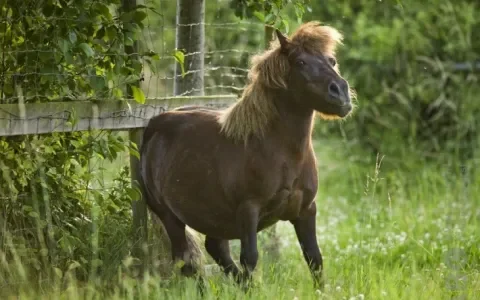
139	207
190	38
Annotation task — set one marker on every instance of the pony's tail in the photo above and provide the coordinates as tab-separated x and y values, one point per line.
194	241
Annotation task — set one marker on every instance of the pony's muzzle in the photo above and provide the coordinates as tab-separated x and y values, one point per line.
339	92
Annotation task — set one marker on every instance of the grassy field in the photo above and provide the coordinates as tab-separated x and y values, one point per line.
384	234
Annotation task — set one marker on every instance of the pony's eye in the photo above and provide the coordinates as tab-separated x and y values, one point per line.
332	61
300	62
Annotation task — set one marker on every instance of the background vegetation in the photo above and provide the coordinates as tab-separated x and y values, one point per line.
399	197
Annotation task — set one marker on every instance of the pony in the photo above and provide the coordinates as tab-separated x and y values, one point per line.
231	173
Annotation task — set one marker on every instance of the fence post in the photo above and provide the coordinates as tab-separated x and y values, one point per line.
139	208
190	38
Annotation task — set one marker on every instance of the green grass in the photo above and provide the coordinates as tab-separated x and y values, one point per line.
384	234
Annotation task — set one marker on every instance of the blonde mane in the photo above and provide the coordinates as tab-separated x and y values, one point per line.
255	109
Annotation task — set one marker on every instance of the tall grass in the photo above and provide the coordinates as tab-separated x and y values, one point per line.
384	234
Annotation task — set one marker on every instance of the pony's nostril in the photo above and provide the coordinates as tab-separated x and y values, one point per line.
334	90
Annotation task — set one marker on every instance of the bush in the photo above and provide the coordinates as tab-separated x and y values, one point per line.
54	201
400	57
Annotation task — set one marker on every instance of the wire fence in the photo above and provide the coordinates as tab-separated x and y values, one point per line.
229	43
29	68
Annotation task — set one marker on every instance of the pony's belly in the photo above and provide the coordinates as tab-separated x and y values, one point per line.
199	202
213	225
206	215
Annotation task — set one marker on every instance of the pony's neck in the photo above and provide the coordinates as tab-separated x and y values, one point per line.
294	121
263	111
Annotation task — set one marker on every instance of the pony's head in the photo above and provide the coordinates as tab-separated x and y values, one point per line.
305	64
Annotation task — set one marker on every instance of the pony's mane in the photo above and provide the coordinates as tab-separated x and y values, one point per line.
252	113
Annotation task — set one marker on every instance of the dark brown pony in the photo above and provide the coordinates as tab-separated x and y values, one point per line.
230	174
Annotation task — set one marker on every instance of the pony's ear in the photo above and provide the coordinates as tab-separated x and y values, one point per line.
284	42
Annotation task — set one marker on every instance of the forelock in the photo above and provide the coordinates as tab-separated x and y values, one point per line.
271	67
317	39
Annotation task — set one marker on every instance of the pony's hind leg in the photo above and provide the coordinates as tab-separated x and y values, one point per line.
182	245
219	250
181	250
184	248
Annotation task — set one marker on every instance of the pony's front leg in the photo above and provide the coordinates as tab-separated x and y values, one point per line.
305	229
247	220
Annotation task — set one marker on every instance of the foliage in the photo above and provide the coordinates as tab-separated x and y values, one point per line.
269	12
400	57
54	201
67	52
55	194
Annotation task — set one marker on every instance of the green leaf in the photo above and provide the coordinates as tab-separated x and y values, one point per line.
87	49
179	264
285	24
104	10
139	16
64	46
68	58
97	82
130	78
112	32
128	41
259	16
138	94
126	17
73	37
137	66
134	194
58	272
180	58
117	93
74	265
133	149
33	214
270	19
